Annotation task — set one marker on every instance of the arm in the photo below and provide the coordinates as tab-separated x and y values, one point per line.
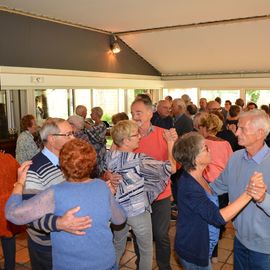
69	222
258	191
235	207
47	223
171	136
22	212
118	214
156	175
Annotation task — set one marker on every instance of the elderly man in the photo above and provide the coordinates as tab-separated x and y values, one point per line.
162	117
154	145
203	104
252	241
182	123
43	173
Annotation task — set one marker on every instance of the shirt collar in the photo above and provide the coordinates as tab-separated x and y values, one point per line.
259	156
177	117
51	156
29	133
150	129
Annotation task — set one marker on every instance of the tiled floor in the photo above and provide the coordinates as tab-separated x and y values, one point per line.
225	258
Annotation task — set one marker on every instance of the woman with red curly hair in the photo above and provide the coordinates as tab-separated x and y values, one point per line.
94	249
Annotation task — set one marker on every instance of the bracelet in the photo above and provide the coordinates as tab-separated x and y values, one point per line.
18	183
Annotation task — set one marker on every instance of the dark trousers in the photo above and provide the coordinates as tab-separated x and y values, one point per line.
246	259
40	259
9	252
161	217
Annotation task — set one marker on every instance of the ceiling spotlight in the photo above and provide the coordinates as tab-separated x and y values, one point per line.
115	45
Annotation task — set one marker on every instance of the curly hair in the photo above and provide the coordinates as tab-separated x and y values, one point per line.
27	121
77	160
212	123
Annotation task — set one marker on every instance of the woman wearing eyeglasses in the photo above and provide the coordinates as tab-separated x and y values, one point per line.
199	216
94	249
143	178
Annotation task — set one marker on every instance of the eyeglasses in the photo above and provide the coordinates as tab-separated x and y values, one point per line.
70	133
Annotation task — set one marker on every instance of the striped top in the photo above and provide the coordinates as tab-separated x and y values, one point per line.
143	178
42	174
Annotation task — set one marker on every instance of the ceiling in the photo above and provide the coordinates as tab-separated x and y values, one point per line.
230	45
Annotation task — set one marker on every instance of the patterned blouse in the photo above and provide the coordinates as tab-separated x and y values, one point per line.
97	137
26	148
143	179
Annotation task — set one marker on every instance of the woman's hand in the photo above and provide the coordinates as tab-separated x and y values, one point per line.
256	187
22	171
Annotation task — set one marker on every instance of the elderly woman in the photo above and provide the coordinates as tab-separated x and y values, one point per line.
78	124
26	148
143	178
220	150
97	137
94	250
199	215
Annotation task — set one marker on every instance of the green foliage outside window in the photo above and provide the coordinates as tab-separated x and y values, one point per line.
253	95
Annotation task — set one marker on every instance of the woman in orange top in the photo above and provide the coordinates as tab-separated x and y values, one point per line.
8	176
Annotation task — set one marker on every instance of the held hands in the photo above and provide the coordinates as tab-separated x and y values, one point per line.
256	187
22	171
170	135
113	178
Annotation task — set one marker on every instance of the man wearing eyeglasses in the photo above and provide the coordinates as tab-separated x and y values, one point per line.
43	173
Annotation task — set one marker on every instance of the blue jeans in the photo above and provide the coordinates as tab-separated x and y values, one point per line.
246	259
9	252
190	266
142	228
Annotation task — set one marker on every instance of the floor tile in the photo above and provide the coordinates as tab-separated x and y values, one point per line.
225	258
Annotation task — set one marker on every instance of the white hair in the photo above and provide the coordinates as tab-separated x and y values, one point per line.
181	103
258	119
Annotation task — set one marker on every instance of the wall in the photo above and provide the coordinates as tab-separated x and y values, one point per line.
31	42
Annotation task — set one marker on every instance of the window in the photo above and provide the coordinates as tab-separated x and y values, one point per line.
231	95
177	93
260	97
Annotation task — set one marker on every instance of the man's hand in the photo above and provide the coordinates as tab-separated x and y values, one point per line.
72	224
256	187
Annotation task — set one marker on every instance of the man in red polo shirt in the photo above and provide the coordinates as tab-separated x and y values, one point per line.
153	144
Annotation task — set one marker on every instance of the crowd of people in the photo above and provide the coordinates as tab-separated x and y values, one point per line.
80	199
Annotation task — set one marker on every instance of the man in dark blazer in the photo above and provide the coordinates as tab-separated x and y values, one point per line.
182	123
